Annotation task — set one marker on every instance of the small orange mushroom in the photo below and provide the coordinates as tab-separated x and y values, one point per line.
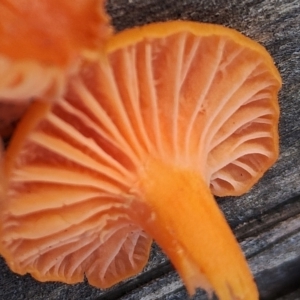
41	42
41	45
176	111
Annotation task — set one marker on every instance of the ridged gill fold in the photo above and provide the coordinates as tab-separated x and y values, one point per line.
201	102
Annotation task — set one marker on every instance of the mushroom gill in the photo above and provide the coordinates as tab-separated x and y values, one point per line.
129	153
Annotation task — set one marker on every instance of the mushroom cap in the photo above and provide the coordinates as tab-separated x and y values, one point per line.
207	98
42	41
199	96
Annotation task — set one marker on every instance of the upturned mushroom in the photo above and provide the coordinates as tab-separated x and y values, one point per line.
173	113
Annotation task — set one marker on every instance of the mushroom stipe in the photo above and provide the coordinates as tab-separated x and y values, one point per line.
170	114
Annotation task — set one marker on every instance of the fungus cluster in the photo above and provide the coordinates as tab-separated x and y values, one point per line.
133	149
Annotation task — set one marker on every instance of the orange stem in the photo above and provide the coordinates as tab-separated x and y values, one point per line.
181	214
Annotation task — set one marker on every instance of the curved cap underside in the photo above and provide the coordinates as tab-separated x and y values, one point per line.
208	103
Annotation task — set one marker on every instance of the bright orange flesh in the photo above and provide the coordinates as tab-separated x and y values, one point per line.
180	213
42	43
51	32
162	30
132	149
74	216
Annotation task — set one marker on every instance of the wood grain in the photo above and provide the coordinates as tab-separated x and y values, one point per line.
266	221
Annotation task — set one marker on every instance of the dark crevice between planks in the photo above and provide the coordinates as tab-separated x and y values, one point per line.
271	244
272	283
280	281
137	282
273	216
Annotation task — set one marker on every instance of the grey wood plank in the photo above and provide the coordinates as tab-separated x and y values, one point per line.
266	220
295	295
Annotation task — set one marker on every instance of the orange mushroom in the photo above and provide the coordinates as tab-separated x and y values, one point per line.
41	44
135	149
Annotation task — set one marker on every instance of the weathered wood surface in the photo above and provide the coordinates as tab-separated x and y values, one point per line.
266	221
